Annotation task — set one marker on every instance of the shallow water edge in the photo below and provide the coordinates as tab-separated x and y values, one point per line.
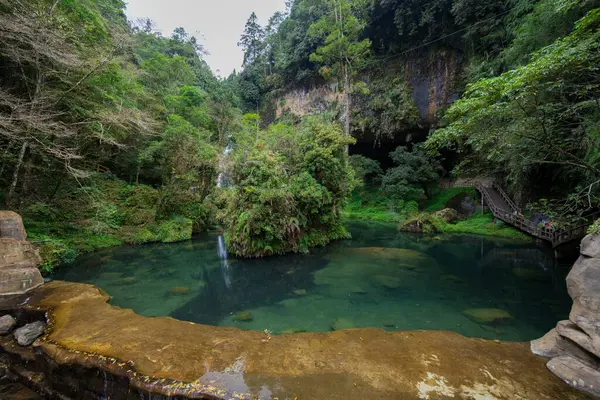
185	360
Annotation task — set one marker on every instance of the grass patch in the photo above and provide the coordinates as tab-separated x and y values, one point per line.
484	224
373	205
439	200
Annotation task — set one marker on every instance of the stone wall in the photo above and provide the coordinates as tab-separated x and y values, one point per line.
19	260
574	345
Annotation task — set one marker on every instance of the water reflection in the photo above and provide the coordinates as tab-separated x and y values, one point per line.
380	278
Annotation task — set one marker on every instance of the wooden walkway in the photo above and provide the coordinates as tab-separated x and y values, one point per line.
503	208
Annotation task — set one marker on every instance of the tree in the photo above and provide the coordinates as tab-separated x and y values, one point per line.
416	172
537	123
49	111
252	40
289	187
343	50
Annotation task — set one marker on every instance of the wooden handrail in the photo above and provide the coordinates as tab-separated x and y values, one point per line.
506	198
514	217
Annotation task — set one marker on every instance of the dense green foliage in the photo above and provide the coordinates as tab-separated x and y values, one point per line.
415	173
290	186
111	133
539	120
529	113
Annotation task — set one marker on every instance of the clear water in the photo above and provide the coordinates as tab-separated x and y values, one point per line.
380	278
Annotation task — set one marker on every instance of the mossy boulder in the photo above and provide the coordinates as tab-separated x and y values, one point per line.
447	214
488	316
422	223
243	316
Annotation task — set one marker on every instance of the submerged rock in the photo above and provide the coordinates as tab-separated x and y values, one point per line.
28	333
493	329
243	316
487	316
389	282
300	292
452	278
342	323
7	323
179	290
389	324
529	274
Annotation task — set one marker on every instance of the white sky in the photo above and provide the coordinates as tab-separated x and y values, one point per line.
218	24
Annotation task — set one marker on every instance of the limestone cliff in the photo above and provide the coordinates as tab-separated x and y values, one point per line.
431	78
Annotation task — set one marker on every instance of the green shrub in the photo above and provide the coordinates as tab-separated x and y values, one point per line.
174	230
422	223
290	186
136	235
595	228
55	253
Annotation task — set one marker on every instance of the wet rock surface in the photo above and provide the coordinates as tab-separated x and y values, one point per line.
574	345
27	334
175	358
7	323
18	258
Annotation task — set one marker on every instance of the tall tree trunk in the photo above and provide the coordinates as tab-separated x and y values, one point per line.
15	179
4	162
347	100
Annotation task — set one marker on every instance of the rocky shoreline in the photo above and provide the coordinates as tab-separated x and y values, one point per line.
91	347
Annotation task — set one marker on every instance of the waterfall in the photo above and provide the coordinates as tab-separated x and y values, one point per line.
222	181
223	257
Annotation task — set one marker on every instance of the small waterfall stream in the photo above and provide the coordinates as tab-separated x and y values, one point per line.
224	259
223	182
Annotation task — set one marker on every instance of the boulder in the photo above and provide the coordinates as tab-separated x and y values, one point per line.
447	214
574	345
7	323
590	246
11	226
28	333
576	373
18	258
